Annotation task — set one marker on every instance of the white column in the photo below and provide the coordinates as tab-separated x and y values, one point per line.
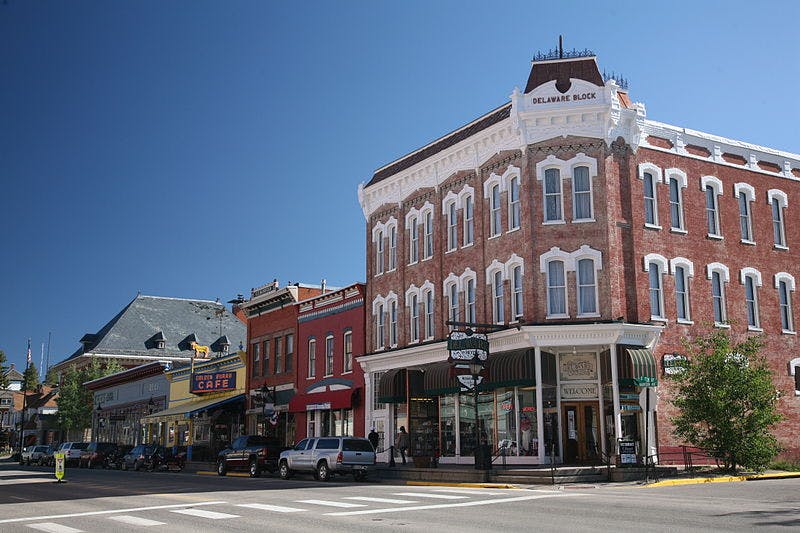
615	386
539	403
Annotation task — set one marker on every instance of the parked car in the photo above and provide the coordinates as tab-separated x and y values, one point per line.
35	454
96	454
72	451
328	456
114	457
141	456
253	453
47	457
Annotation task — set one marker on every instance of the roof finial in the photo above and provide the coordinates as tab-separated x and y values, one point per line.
560	47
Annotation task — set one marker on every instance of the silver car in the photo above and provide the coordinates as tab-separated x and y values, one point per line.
35	454
327	456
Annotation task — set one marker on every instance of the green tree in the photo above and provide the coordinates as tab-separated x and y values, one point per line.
726	400
3	369
75	400
51	378
30	378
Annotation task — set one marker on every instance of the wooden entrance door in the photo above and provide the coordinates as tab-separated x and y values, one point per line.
581	425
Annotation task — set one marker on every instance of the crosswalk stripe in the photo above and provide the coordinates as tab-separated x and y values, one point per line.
265	507
26	481
52	527
378	500
473	492
213	515
330	503
11	473
136	520
426	495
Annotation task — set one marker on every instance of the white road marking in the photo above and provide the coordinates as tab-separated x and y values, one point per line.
426	495
378	500
9	473
213	515
52	527
26	481
111	511
265	507
331	503
473	492
494	501
136	521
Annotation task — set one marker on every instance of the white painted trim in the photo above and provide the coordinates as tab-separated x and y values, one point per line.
711	267
681	261
653	169
785	276
746	189
713	182
783	200
750	271
659	259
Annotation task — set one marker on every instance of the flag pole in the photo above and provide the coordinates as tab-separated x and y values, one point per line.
24	402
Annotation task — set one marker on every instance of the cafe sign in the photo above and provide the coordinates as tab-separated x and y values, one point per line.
213	382
579	391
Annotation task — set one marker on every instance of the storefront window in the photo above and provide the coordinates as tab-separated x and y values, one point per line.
528	426
506	421
550	418
447	426
485	421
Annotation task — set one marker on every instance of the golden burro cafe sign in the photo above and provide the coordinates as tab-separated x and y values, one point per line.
213	382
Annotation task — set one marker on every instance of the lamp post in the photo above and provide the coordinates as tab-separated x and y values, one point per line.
475	369
96	423
264	395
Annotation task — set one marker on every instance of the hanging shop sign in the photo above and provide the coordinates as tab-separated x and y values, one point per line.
466	346
674	363
578	366
579	391
213	382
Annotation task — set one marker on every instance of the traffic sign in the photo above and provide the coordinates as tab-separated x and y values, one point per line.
60	460
646	381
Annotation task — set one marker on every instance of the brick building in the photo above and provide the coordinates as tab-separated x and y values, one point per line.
596	240
330	383
271	356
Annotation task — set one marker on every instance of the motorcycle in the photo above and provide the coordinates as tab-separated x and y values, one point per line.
165	461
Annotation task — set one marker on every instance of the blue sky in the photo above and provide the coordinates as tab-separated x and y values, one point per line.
200	148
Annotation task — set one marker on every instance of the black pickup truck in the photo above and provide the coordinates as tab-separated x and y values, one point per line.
253	453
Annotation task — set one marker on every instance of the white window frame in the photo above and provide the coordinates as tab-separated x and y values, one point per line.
788	280
778	199
469	220
557	195
498	297
470	280
744	192
347	351
724	277
715	185
656	176
392	303
391	230
564	288
451	214
681	183
495	218
379	253
794	371
514	206
380	327
451	292
685	296
414	333
575	193
753	276
661	264
329	354
517	297
312	358
427	236
412	224
429	304
586	252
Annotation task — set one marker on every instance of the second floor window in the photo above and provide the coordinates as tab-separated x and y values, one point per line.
675	205
785	301
312	358
745	224
289	352
751	301
582	193
682	293
556	289
429	333
712	211
347	363
587	287
393	323
414	318
516	292
552	195
469	222
392	248
452	315
469	310
428	241
379	254
777	223
650	204
329	355
452	227
380	333
498	306
718	298
513	203
656	293
494	207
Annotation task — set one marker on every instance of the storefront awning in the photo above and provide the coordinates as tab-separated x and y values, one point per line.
505	370
189	408
643	364
337	399
392	386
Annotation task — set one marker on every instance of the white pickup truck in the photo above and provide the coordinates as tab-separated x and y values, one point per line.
326	456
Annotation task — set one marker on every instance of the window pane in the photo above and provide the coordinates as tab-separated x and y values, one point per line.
681	295
655	290
649	199
675	204
744	217
556	289
586	287
552	193
711	211
582	191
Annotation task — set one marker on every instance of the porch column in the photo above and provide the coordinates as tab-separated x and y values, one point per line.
615	387
537	351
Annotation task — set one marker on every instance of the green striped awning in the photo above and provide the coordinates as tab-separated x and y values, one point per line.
504	370
643	365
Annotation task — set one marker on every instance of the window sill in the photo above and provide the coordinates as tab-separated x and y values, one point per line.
679	231
328	376
748	242
553	222
412	263
589	315
658	319
310	378
494	236
583	220
468	245
427	258
347	372
781	247
556	317
378	274
721	325
652	226
685	322
755	328
512	230
788	332
450	251
715	236
392	346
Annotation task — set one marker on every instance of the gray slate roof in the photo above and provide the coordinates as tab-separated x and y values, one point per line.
133	330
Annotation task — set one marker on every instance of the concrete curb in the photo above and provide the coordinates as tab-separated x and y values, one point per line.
722	479
462	485
231	474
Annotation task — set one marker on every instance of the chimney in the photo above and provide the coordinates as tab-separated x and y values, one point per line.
323	283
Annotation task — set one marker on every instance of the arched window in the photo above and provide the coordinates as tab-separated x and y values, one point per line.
718	274
428	237
581	194
587	287
778	201
414	318
682	269
556	289
393	323
452	296
312	357
429	326
347	361
785	284
713	190
380	325
392	246
553	200
494	208
650	200
516	293
677	182
452	227
469	220
751	279
379	253
513	204
329	355
470	314
413	233
498	306
745	195
656	265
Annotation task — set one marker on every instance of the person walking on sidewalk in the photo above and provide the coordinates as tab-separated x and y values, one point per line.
374	438
401	442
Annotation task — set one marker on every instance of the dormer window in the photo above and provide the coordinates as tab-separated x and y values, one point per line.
157	341
160	344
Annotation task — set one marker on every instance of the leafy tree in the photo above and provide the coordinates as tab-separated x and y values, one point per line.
727	401
75	400
51	378
3	369
30	378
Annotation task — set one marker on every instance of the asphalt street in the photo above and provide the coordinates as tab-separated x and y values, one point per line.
101	501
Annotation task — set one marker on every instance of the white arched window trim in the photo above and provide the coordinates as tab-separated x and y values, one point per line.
749	271
491	181
718	267
713	182
553	254
783	200
587	252
678	174
652	169
658	259
784	276
744	189
514	261
493	267
450	198
683	262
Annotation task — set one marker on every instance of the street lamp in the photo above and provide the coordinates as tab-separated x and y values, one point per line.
475	368
266	396
96	422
